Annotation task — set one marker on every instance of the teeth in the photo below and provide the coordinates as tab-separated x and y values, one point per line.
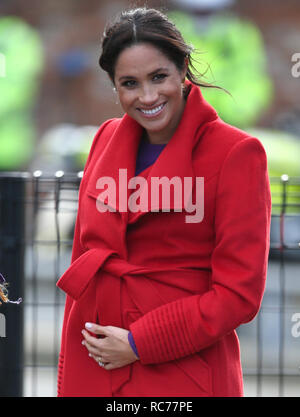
153	111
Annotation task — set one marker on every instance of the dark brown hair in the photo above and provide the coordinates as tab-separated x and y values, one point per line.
143	25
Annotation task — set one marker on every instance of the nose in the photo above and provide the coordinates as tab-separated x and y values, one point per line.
148	96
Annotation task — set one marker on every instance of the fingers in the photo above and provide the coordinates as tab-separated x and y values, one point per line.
95	351
97	329
103	364
96	354
91	340
95	345
92	344
113	350
100	361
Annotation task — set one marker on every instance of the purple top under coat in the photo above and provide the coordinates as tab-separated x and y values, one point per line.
147	154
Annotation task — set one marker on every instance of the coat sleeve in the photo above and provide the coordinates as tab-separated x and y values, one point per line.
238	265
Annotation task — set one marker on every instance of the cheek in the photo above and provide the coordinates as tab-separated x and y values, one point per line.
126	100
174	90
122	99
175	98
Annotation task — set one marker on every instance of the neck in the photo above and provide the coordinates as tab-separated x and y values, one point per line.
155	139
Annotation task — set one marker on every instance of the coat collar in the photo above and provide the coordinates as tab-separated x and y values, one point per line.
175	160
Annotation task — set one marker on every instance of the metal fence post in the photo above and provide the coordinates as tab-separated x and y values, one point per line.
284	180
12	229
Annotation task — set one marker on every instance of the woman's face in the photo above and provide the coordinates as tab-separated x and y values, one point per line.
150	90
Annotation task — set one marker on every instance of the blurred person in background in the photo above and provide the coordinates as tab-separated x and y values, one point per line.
154	295
22	48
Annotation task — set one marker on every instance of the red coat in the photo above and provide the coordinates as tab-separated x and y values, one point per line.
181	288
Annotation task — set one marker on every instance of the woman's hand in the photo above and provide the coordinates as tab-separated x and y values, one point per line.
113	350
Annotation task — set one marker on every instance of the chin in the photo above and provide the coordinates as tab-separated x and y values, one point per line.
154	126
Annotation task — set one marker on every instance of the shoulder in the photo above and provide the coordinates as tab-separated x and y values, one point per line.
101	139
246	157
240	144
105	131
224	148
223	140
241	156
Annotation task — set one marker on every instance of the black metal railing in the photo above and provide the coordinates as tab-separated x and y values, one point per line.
37	217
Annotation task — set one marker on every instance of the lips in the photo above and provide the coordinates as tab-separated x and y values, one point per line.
155	111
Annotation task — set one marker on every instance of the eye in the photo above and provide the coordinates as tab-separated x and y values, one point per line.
159	77
129	83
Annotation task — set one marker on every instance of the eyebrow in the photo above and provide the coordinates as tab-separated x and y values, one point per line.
151	73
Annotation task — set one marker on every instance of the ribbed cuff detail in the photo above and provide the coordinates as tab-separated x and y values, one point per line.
164	334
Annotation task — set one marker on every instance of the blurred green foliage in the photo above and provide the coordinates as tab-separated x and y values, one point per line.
231	55
21	46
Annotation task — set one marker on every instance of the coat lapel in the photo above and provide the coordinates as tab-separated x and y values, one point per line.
120	153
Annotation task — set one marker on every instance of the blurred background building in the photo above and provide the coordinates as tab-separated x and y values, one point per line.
246	47
54	96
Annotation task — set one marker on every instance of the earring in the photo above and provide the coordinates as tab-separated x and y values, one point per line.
115	91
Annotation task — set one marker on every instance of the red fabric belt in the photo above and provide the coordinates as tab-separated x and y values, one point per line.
77	277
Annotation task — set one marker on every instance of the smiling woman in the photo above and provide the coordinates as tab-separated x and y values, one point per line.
153	93
148	61
153	300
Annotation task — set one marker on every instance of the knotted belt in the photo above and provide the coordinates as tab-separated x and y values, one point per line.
106	263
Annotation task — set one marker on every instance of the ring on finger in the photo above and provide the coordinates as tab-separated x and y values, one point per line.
100	362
